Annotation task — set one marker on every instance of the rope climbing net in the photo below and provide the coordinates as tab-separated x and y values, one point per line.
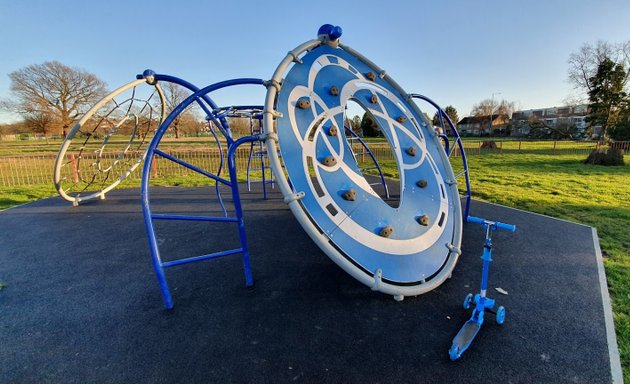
108	142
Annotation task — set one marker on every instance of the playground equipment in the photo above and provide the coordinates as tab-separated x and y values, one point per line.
469	330
402	250
402	245
108	142
257	160
353	137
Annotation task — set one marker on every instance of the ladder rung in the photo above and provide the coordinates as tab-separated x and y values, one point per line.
203	257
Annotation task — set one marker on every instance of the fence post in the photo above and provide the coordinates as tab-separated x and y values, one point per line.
362	154
75	173
153	166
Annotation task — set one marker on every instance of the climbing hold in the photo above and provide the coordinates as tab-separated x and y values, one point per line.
423	220
387	231
374	98
411	151
332	131
370	75
329	161
350	195
303	103
334	90
401	119
422	183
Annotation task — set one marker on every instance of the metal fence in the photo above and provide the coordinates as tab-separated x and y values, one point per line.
382	151
20	170
38	169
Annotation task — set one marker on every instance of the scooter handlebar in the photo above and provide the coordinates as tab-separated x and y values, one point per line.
495	224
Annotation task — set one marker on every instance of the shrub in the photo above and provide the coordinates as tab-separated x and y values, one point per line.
610	156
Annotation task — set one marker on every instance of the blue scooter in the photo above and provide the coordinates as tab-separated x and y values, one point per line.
469	330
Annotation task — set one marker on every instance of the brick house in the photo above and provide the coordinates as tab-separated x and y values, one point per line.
550	117
480	125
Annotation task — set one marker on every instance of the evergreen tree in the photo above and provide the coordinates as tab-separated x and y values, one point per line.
621	131
369	126
356	124
452	114
606	95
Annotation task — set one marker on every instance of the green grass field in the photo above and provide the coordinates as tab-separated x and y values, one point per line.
557	185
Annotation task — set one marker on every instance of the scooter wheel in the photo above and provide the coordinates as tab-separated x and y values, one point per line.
500	315
468	301
454	353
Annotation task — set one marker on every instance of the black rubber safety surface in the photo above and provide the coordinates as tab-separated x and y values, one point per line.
81	303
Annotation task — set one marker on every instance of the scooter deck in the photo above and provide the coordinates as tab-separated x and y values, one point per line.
466	335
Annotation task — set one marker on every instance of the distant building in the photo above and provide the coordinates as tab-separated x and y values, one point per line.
480	125
522	121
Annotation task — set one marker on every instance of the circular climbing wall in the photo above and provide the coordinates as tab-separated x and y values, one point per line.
405	249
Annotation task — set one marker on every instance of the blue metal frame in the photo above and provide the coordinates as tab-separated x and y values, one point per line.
200	96
469	330
449	151
258	151
219	120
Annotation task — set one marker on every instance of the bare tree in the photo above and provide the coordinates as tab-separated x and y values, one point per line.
40	122
54	89
539	129
199	127
489	107
584	63
174	95
240	126
13	128
355	124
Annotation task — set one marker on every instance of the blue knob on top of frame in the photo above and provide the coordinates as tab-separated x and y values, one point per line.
148	72
149	76
333	32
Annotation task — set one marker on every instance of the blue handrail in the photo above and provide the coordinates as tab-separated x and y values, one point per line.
458	140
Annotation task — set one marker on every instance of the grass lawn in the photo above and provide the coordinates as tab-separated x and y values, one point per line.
11	196
555	185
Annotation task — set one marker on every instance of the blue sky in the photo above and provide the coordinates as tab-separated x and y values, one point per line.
455	52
